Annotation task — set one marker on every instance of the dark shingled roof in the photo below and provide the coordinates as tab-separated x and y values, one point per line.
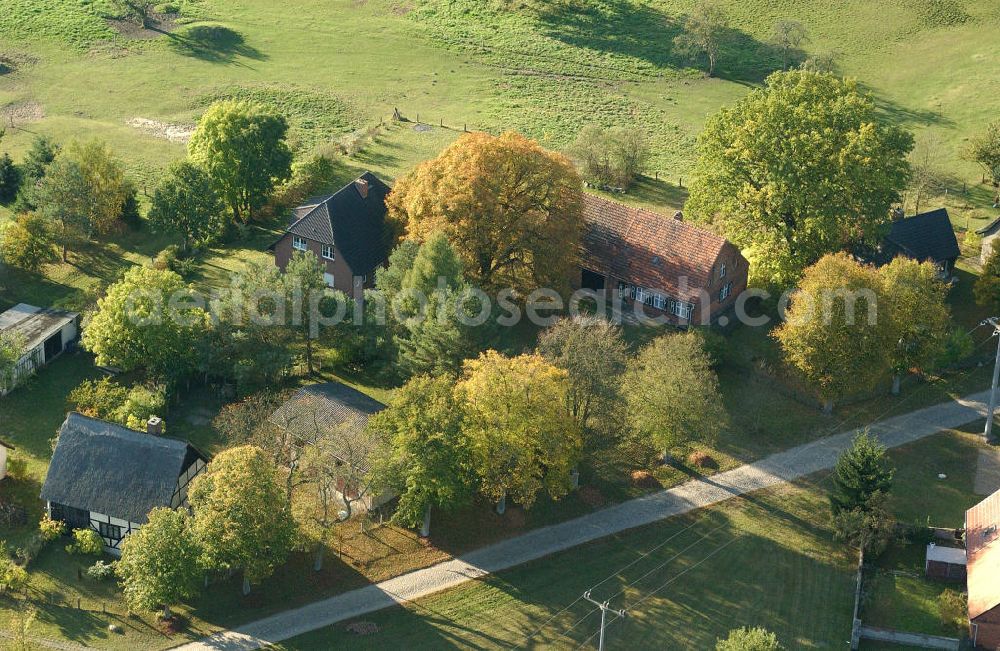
646	248
334	407
355	224
104	467
927	236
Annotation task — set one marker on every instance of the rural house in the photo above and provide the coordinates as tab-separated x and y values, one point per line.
44	335
108	477
674	268
346	230
339	415
982	548
989	234
927	237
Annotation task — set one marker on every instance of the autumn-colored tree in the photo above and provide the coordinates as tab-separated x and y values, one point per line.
914	300
145	321
506	205
984	149
424	455
987	286
243	149
242	518
672	392
837	333
159	564
26	242
522	434
801	167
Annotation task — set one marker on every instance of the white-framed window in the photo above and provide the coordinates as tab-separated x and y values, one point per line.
659	301
298	243
328	277
328	251
725	291
722	270
681	309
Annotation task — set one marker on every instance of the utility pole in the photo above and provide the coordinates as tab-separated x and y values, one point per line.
993	321
604	611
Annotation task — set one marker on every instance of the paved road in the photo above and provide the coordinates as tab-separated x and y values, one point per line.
697	493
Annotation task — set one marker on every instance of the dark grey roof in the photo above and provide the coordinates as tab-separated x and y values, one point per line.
927	236
104	467
336	409
355	224
34	324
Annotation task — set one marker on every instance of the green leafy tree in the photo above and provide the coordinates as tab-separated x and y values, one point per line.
241	515
833	333
389	279
186	203
861	471
63	195
145	321
672	393
10	179
41	153
987	286
26	242
13	577
139	12
159	562
799	168
424	455
984	149
242	148
593	353
108	189
705	32
305	286
617	155
915	299
749	639
521	432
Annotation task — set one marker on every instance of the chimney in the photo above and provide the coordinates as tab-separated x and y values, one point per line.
362	186
154	426
679	216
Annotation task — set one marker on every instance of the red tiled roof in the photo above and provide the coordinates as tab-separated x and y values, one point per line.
982	544
646	248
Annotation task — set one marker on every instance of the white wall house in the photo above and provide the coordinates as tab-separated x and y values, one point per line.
108	477
42	332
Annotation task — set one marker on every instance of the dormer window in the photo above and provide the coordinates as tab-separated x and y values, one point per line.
328	251
298	243
722	270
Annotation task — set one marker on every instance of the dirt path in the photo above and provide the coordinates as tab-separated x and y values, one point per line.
695	494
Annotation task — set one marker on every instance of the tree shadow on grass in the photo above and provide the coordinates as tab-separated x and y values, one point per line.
213	43
624	28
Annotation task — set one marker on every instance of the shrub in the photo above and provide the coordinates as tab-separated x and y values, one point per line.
29	552
26	242
167	8
701	459
17	467
101	571
953	610
141	402
167	258
86	542
98	398
12	576
50	529
749	639
10	179
12	514
971	243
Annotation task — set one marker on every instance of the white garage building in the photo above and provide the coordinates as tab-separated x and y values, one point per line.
44	333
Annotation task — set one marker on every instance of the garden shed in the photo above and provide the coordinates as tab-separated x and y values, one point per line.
43	333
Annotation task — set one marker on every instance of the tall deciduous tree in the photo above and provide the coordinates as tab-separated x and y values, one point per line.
593	353
185	203
505	204
243	149
834	333
108	187
799	168
705	30
305	289
159	564
672	392
914	300
424	455
242	519
984	150
63	195
862	470
987	287
146	321
788	36
521	432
